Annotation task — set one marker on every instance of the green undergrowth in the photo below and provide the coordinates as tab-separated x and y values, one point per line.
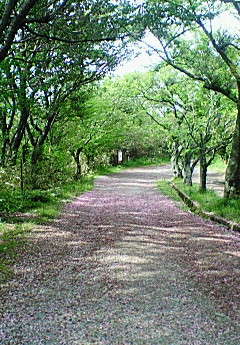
165	188
207	200
108	169
43	205
11	238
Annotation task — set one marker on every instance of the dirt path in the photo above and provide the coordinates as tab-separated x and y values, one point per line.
123	265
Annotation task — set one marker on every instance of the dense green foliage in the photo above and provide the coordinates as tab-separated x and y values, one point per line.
192	43
61	120
11	238
80	43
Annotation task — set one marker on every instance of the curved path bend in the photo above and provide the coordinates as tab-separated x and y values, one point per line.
123	265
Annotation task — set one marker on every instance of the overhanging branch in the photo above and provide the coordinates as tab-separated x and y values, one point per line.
64	40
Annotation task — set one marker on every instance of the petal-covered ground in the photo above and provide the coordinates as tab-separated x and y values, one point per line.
123	265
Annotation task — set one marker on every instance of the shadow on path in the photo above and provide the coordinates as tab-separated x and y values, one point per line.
123	265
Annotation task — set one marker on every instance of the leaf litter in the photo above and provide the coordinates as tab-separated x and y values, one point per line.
123	265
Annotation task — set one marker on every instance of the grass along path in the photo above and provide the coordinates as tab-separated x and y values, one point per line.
211	200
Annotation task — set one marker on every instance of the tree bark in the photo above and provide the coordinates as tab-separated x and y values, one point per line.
24	113
78	163
38	148
19	133
187	169
203	171
4	139
189	164
176	151
232	178
11	23
77	160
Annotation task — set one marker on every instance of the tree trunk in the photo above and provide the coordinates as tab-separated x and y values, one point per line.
38	148
4	132
203	171
79	167
37	154
19	133
3	152
24	106
232	179
187	169
78	163
176	151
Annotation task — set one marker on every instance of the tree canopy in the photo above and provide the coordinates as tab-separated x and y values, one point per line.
60	117
190	42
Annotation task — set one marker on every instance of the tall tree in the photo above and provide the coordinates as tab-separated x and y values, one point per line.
197	122
190	42
57	47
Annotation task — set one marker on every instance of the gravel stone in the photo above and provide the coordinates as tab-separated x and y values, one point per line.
123	265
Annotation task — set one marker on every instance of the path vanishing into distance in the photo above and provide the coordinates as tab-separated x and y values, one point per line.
123	265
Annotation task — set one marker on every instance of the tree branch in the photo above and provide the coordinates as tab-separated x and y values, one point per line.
59	39
6	15
219	50
153	118
17	23
236	4
219	89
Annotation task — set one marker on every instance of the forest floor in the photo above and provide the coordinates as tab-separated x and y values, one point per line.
122	265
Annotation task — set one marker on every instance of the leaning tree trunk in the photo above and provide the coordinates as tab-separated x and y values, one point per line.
37	153
176	151
232	179
77	159
78	163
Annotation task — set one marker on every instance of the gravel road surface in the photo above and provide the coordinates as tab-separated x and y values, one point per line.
124	265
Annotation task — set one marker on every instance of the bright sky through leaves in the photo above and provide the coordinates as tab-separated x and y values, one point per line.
146	59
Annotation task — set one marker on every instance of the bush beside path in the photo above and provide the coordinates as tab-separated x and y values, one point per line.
124	265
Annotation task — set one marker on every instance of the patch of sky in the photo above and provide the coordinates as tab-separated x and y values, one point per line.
145	56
